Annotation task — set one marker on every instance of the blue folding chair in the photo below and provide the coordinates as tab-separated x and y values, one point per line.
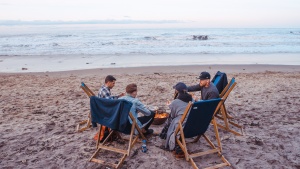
198	116
223	114
114	115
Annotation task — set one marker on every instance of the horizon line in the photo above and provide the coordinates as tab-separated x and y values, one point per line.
108	21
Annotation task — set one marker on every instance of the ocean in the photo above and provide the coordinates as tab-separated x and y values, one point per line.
95	46
95	40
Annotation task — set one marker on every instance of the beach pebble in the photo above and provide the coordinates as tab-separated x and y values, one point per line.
259	142
254	123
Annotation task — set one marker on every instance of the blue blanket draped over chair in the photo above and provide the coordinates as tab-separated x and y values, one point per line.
110	113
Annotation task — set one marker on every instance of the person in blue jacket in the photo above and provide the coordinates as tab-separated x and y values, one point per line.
143	122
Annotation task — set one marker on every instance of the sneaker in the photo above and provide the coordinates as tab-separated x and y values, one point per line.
163	147
178	153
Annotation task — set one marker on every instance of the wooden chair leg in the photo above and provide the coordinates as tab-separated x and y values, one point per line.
125	153
196	139
88	125
87	122
98	138
224	116
217	133
228	122
193	164
182	144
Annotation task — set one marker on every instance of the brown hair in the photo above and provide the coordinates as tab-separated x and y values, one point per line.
109	78
131	88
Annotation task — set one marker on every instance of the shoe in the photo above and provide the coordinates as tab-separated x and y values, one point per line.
149	131
163	147
178	154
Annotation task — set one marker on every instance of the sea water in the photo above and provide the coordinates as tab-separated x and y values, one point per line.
94	40
97	46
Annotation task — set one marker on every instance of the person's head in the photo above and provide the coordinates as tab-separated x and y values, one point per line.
180	87
183	95
110	81
131	89
204	79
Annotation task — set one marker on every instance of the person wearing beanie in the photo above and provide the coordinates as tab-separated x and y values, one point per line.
208	89
143	122
177	107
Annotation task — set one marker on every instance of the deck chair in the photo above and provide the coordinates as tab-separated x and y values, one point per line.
220	81
113	114
198	116
223	114
86	122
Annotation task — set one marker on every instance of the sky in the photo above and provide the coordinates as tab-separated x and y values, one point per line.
187	13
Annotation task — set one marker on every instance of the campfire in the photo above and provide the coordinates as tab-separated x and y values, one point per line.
160	116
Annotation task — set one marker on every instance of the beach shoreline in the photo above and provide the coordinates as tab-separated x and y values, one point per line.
57	63
248	68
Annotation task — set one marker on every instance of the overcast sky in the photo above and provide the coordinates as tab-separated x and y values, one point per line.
199	13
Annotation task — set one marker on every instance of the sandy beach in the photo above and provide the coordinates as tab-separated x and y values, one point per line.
40	111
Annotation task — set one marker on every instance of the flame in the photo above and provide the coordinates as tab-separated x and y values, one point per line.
161	115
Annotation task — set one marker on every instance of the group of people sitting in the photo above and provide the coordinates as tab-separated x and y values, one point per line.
177	106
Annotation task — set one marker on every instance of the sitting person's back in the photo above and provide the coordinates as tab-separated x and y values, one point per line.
143	122
177	107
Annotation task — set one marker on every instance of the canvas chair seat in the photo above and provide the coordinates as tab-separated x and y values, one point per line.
199	115
113	114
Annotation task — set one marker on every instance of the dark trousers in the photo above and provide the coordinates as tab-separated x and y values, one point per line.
144	120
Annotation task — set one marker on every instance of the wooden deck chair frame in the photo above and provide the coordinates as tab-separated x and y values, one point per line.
223	114
183	144
131	141
86	122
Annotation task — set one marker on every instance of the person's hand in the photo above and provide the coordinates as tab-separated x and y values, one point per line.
194	97
168	102
122	94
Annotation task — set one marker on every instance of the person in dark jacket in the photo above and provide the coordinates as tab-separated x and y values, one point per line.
208	89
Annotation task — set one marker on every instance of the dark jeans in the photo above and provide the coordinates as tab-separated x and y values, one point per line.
143	120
